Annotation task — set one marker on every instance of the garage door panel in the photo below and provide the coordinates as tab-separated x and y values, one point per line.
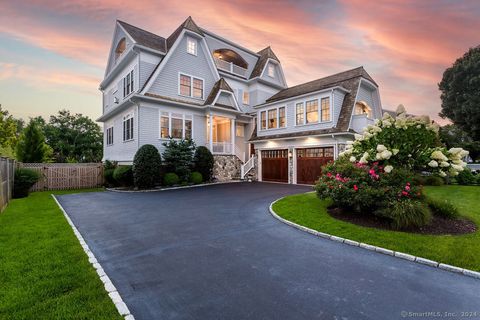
275	165
310	162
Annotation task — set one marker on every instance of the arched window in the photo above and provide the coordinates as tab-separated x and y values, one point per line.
230	56
121	46
361	107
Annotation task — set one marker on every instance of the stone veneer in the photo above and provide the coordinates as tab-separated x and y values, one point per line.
226	167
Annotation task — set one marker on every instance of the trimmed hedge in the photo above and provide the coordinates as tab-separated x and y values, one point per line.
123	175
24	180
146	167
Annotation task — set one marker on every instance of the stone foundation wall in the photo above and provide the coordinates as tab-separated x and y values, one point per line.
226	167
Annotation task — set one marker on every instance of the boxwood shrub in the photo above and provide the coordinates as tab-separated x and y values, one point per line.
171	179
203	162
196	177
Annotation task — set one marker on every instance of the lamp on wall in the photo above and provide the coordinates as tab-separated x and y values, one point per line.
290	154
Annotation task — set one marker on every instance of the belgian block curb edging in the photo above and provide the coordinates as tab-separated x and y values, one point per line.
109	287
401	255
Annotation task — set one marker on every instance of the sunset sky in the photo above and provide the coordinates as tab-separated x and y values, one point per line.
53	53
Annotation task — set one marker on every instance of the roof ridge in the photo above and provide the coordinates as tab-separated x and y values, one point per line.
329	76
144	30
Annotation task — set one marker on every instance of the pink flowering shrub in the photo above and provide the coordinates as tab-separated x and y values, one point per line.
365	188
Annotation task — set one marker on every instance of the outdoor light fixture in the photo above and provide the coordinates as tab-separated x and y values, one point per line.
290	154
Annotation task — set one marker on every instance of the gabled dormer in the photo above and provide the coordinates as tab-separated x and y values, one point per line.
268	68
187	73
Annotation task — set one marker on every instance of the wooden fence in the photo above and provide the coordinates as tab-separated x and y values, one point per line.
63	176
7	169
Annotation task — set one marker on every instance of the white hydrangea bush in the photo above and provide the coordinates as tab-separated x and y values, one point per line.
408	142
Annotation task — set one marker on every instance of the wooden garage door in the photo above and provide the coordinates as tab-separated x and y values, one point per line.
275	165
310	162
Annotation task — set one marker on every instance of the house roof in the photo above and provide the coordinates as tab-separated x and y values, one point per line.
337	79
265	54
350	80
188	24
219	85
144	38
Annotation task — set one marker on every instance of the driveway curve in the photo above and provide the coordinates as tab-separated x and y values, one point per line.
216	253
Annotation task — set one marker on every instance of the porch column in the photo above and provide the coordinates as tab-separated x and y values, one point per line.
232	124
210	142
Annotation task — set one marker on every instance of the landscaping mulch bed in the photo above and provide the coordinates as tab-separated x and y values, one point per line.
438	225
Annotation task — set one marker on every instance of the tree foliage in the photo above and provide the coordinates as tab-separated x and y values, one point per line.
453	136
73	137
146	167
178	157
31	147
204	161
8	133
460	96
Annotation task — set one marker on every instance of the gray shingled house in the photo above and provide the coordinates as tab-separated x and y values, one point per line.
198	85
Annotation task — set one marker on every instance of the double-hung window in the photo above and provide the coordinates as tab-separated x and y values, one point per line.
109	134
128	127
246	98
190	86
325	109
311	108
263	120
176	126
299	114
128	84
281	117
272	118
192	46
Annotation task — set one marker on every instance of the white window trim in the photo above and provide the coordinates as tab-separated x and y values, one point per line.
132	82
271	67
184	117
126	117
195	41
191	86
113	137
248	98
278	119
319	101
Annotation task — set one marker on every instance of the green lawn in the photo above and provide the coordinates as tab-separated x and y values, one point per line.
44	272
462	251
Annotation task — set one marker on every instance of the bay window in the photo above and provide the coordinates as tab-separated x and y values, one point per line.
263	120
299	114
272	119
281	117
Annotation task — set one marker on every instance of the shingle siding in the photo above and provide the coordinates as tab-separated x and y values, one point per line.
167	81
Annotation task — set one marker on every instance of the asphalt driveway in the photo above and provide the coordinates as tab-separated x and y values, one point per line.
216	253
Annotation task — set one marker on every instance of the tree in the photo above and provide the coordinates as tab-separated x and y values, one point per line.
453	136
31	147
460	96
8	133
73	137
178	157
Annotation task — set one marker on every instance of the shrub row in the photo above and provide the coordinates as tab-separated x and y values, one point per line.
182	164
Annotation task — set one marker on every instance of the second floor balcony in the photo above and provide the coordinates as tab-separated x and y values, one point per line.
230	61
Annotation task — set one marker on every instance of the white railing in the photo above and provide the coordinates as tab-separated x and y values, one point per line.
230	67
222	148
246	167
